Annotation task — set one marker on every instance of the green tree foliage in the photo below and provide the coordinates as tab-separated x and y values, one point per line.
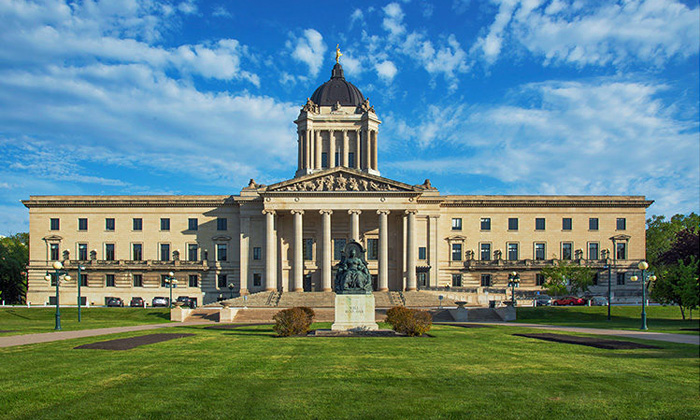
14	257
661	233
578	278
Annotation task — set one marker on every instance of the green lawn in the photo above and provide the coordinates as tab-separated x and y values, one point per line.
39	320
659	318
249	373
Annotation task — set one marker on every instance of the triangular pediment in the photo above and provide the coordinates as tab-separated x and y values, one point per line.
341	180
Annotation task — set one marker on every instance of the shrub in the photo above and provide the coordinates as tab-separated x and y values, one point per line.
309	312
412	322
293	321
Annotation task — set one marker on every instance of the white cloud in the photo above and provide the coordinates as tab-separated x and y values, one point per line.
308	49
351	65
386	70
356	16
221	11
393	20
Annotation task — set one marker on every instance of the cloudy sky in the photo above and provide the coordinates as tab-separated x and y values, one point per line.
500	97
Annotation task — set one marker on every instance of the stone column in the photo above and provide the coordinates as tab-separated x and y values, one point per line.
307	151
368	151
432	250
270	251
383	280
358	148
411	250
355	224
298	267
244	239
319	149
345	149
375	164
299	151
331	149
327	251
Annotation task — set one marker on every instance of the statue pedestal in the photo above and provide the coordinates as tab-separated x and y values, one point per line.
354	313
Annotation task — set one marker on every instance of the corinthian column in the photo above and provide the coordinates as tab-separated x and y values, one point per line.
355	224
331	149
345	149
270	251
319	149
298	267
383	283
326	249
411	250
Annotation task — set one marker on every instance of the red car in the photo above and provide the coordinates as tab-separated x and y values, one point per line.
569	301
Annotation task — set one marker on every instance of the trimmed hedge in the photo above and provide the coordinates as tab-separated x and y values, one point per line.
412	322
293	321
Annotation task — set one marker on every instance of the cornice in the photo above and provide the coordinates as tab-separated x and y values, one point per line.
131	201
549	202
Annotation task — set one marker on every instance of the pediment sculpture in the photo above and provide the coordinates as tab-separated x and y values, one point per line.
352	276
338	182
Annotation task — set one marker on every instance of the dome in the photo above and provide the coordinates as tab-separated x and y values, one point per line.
337	90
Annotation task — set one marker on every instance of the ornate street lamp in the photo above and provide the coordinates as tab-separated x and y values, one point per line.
171	281
643	265
513	282
58	266
80	269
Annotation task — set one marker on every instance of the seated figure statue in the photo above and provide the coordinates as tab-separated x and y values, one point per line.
352	275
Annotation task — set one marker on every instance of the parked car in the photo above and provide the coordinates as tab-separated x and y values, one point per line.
115	302
187	301
160	301
599	301
543	300
569	301
136	302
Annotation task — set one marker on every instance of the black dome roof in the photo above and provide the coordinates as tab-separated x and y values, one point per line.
337	90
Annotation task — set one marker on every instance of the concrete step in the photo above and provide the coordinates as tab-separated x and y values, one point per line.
203	314
483	315
265	315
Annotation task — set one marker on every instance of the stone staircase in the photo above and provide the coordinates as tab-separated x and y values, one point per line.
416	299
254	300
204	315
310	299
483	315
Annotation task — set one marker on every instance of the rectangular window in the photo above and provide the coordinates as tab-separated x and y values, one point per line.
82	224
539	223
192	224
163	280
308	249
485	223
539	279
620	279
456	280
192	252
595	279
221	223
221	252
336	161
109	224
539	251
621	223
621	250
422	253
136	224
324	160
422	278
136	252
165	252
221	280
338	248
566	223
513	223
55	224
456	252
109	252
593	223
257	280
372	249
193	280
351	159
512	252
457	224
138	280
82	252
257	253
83	280
485	252
593	251
486	280
54	252
566	253
164	224
109	280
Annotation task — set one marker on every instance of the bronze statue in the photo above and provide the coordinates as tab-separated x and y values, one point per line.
352	276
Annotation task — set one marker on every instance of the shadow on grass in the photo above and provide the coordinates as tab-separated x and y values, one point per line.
251	331
162	315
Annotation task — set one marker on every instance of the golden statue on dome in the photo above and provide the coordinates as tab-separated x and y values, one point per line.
338	54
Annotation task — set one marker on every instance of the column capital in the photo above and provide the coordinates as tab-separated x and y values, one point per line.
269	211
329	212
297	211
383	211
409	212
354	211
434	216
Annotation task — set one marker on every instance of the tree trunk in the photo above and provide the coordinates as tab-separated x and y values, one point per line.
682	312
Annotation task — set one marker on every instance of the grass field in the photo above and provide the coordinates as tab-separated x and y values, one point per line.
659	318
249	373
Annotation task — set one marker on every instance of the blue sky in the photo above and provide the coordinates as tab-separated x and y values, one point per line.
482	97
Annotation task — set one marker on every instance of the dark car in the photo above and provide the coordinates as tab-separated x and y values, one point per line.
160	301
115	302
569	301
136	302
543	300
187	301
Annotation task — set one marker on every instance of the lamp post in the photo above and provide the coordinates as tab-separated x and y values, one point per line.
513	282
609	268
80	269
171	282
230	289
643	265
58	266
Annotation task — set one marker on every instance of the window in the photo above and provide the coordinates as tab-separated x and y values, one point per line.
485	223
539	251
193	280
485	252
163	280
620	279
109	252
138	280
621	223
257	253
513	223
621	250
351	159
324	160
221	280
457	224
221	223
109	280
456	252
82	252
82	224
109	224
137	224
512	252
257	280
566	251
485	280
595	279
422	278
136	252
372	249
593	223
566	223
539	223
192	224
338	248
83	280
221	251
336	161
307	249
54	252
53	282
165	252
539	279
55	224
593	251
456	280
165	224
192	252
422	253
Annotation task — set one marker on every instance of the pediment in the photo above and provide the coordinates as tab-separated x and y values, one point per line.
341	180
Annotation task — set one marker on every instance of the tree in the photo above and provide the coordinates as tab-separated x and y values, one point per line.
558	277
14	257
661	233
